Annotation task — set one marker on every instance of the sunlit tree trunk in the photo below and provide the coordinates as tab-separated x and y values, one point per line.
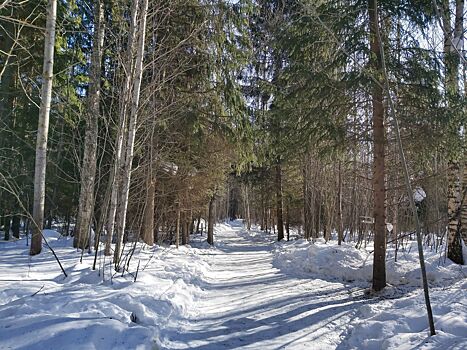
43	129
452	50
115	174
379	190
129	150
211	221
88	168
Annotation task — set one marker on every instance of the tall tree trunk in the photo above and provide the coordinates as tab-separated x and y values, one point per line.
88	168
184	227
379	264
15	226
247	208
6	227
306	207
129	150
452	51
177	228
211	221
115	174
464	204
279	204
43	129
340	226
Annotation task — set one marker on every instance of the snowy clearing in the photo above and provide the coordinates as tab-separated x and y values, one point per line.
248	292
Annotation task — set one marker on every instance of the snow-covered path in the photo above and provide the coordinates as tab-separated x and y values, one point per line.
247	303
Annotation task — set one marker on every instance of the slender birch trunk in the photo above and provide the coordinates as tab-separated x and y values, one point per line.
452	48
115	175
88	168
42	129
129	150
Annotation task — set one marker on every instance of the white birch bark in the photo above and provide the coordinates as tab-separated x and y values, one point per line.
88	168
115	176
43	129
129	149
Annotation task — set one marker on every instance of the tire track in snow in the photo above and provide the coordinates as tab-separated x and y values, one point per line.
247	303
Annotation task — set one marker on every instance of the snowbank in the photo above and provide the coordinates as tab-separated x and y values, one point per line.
39	308
398	320
402	324
346	263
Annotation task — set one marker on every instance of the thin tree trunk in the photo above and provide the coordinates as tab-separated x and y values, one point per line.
115	174
340	226
129	150
88	168
248	213
379	263
42	129
15	226
211	221
280	220
6	227
148	229
177	229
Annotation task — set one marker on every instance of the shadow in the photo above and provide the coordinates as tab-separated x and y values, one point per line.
246	328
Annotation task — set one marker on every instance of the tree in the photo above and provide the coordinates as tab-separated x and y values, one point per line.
88	168
452	53
42	130
379	187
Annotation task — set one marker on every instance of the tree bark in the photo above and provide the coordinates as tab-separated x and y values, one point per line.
6	227
43	129
115	174
279	204
379	264
129	150
340	226
88	168
15	226
177	229
211	221
452	48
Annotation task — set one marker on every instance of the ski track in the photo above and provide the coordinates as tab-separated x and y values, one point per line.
247	303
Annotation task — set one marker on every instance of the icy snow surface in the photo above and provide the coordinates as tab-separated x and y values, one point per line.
249	292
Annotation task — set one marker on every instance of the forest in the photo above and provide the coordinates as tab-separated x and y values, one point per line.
274	170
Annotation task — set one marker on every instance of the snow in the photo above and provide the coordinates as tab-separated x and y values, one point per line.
348	264
419	194
247	292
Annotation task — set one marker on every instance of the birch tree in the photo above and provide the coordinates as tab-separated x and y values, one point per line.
114	181
453	45
88	168
42	129
131	131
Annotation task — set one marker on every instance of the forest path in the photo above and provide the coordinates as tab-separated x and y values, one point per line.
247	303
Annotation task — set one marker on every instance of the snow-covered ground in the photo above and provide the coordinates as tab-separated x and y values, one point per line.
249	292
